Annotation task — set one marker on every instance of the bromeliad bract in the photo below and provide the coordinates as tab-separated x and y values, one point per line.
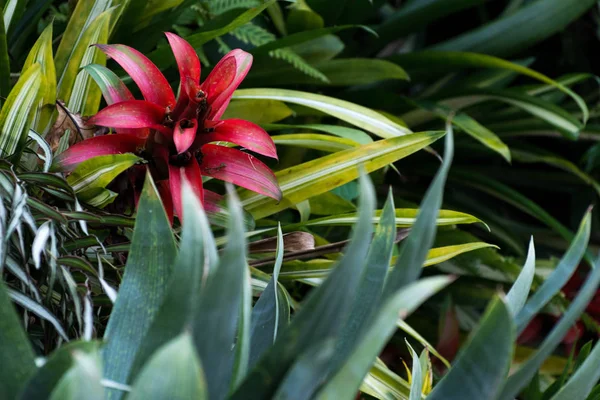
176	136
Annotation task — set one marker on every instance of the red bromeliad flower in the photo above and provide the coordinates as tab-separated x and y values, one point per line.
176	135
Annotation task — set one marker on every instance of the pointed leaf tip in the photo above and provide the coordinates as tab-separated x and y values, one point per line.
152	83
224	79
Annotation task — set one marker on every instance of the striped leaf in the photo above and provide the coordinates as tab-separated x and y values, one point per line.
76	87
18	110
99	171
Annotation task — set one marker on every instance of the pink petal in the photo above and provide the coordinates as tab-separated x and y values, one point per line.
225	77
147	76
132	114
97	146
235	166
193	175
184	134
243	133
186	57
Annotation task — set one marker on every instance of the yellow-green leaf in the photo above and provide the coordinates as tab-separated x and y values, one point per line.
17	112
76	87
315	141
99	171
354	114
257	111
41	53
318	176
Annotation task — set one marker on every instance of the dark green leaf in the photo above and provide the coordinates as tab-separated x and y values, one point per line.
269	314
559	276
322	314
480	368
517	381
143	286
41	385
173	372
14	349
414	249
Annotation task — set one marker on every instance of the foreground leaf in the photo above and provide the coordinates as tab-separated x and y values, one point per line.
559	276
485	359
517	381
322	314
173	372
14	346
347	381
143	286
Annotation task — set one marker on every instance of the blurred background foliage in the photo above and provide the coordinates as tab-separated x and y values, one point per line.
337	85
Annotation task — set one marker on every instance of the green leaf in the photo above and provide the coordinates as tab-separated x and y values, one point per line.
39	310
438	255
371	284
82	380
583	380
511	34
561	119
269	314
41	53
339	72
404	217
41	385
517	296
18	110
306	375
320	268
188	280
97	172
301	37
216	315
322	314
382	383
414	249
355	135
315	141
558	162
354	114
13	10
414	15
347	381
416	375
173	372
76	87
318	176
257	111
14	348
143	287
44	146
330	203
485	359
448	61
82	17
471	127
241	360
559	276
221	25
510	196
517	381
4	64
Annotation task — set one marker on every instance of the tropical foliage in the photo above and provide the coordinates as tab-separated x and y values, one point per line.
415	219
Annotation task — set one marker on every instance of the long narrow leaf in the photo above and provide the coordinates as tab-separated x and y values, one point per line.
143	287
